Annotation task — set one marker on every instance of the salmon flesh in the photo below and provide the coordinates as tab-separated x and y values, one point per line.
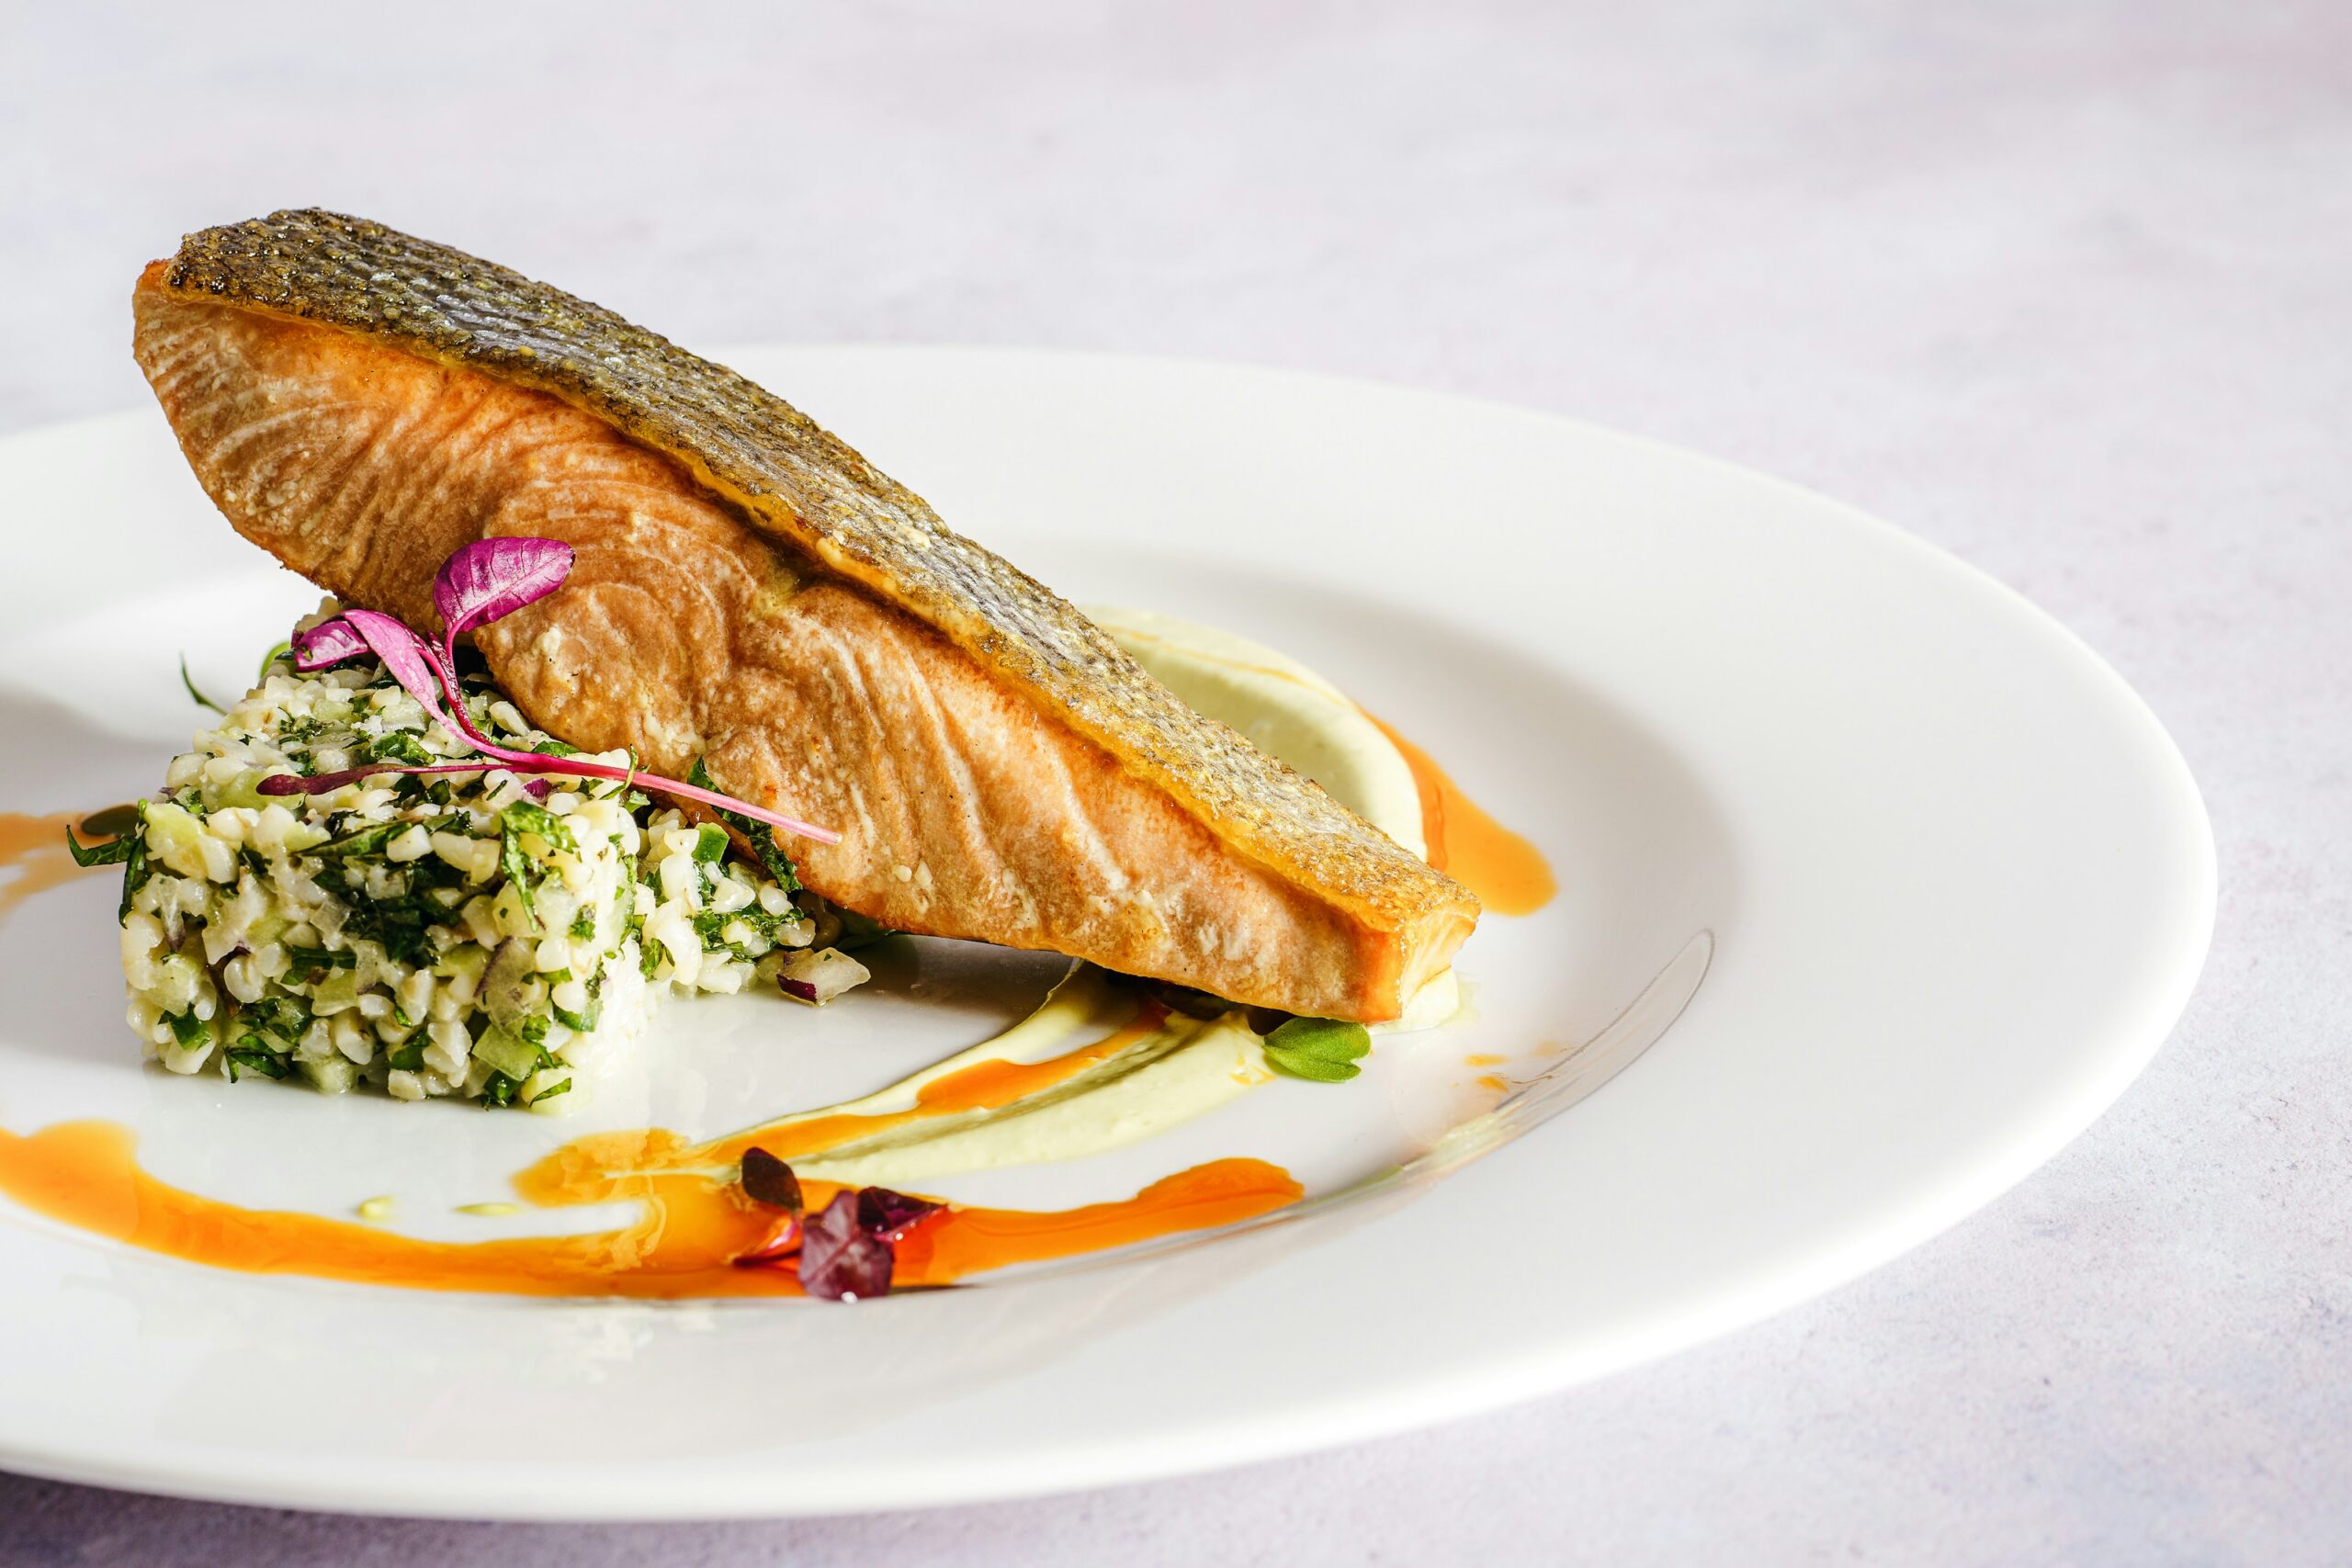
750	591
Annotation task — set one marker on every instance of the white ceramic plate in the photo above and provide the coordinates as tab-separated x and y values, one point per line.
1956	879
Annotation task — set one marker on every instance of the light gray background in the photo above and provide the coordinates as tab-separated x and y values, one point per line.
2066	288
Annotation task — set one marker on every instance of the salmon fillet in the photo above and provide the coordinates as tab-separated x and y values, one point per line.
750	591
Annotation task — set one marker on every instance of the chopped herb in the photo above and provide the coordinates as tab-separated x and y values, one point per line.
201	700
563	1087
366	842
111	853
520	872
773	860
709	844
401	744
409	1057
584	924
250	1054
1322	1049
584	1020
307	958
498	1091
134	864
283	1018
529	818
188	1030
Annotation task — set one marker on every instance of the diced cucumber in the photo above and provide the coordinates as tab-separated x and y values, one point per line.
517	1058
243	790
468	959
512	992
329	1075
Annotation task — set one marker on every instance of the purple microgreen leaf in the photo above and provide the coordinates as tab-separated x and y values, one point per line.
767	1179
839	1259
889	1215
404	654
491	579
430	675
328	643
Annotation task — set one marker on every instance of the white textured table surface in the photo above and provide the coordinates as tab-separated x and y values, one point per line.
2067	290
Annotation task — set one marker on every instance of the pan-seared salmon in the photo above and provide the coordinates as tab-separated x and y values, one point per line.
748	590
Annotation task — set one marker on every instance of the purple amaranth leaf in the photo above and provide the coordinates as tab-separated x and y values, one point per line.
841	1261
328	643
482	582
491	579
887	1216
406	656
429	676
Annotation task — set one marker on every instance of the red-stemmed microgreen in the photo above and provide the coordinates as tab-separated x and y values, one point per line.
491	579
481	583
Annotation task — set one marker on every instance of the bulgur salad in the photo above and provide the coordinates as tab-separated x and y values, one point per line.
354	878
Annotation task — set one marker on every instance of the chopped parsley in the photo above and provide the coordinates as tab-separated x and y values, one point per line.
773	860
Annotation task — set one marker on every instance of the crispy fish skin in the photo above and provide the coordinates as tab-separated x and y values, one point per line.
756	459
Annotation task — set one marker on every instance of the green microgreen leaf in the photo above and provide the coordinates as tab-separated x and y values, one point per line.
1323	1050
201	700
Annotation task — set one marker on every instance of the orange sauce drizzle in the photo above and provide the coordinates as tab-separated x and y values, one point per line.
694	1219
1508	873
983	1085
85	1175
34	848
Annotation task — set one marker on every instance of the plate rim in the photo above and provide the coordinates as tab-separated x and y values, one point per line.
1462	1390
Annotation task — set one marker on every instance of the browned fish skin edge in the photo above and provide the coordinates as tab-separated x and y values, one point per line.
804	486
